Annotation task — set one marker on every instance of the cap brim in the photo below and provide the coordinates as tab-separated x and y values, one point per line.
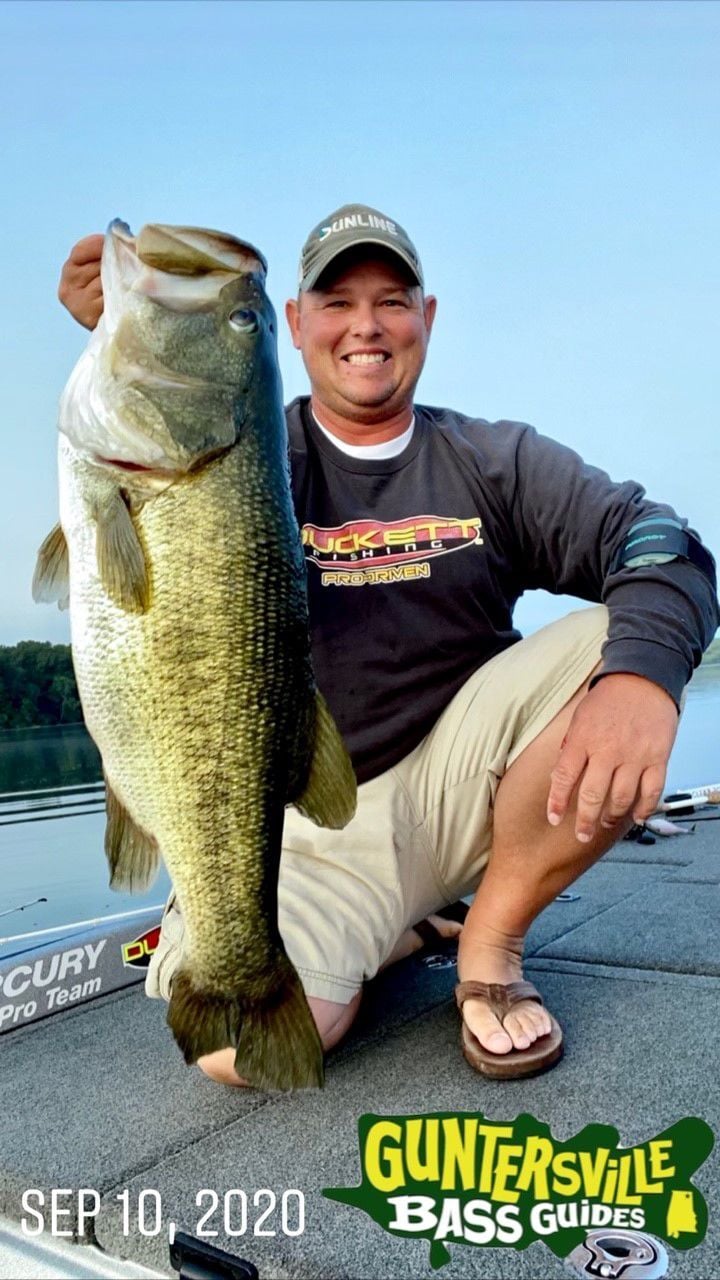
311	277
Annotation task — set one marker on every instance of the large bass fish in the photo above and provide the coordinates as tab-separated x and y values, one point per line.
180	554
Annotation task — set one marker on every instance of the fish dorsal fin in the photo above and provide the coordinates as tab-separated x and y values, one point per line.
330	794
120	557
132	854
51	581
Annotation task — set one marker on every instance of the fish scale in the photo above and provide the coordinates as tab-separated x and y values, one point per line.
172	683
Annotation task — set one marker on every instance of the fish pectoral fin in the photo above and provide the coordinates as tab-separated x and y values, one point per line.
330	794
51	580
133	855
120	557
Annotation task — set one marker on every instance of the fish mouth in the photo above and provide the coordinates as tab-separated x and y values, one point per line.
139	468
169	473
190	251
180	268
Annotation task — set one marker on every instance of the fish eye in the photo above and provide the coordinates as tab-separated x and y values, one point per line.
244	320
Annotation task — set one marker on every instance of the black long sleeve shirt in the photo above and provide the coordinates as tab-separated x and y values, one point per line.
415	564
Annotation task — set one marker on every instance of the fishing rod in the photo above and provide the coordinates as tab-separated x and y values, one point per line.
81	924
12	910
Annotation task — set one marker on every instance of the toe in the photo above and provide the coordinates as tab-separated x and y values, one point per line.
535	1019
519	1029
446	928
541	1019
488	1029
529	1023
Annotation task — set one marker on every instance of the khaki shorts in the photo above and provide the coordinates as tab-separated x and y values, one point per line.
422	832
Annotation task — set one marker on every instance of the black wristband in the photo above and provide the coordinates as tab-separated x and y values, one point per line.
658	541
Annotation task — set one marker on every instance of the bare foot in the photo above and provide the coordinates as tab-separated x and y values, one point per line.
446	929
487	955
411	941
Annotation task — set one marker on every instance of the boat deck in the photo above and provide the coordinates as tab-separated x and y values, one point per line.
98	1097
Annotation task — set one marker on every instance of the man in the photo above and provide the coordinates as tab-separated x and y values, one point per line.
486	763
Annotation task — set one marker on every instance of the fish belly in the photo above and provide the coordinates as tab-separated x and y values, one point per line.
202	707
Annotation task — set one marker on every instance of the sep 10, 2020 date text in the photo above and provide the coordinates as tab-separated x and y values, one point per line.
232	1213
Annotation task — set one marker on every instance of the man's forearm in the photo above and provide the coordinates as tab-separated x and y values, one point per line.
662	619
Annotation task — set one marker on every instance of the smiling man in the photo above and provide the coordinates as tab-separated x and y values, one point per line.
363	371
487	763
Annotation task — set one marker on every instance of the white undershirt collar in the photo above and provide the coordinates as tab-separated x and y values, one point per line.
387	449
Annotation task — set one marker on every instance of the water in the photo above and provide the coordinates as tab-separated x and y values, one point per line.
63	861
58	853
51	844
52	756
695	759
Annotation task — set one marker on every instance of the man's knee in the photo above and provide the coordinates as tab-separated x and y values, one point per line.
333	1021
545	746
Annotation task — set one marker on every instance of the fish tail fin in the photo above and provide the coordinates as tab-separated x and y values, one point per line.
278	1045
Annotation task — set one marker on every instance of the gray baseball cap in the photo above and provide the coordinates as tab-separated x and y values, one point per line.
352	225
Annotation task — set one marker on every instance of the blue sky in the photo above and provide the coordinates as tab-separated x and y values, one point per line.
555	163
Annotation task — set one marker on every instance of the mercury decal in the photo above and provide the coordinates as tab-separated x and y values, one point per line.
57	967
36	989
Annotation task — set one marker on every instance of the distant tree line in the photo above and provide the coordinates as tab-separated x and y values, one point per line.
37	685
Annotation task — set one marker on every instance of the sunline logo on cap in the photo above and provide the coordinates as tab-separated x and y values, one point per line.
349	227
353	220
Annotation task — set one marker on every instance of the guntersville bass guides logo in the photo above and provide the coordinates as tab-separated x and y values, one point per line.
363	552
458	1178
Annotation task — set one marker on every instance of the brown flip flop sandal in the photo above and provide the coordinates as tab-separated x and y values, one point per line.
540	1055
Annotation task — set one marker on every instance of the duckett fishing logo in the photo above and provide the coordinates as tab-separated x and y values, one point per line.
457	1178
136	954
363	552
